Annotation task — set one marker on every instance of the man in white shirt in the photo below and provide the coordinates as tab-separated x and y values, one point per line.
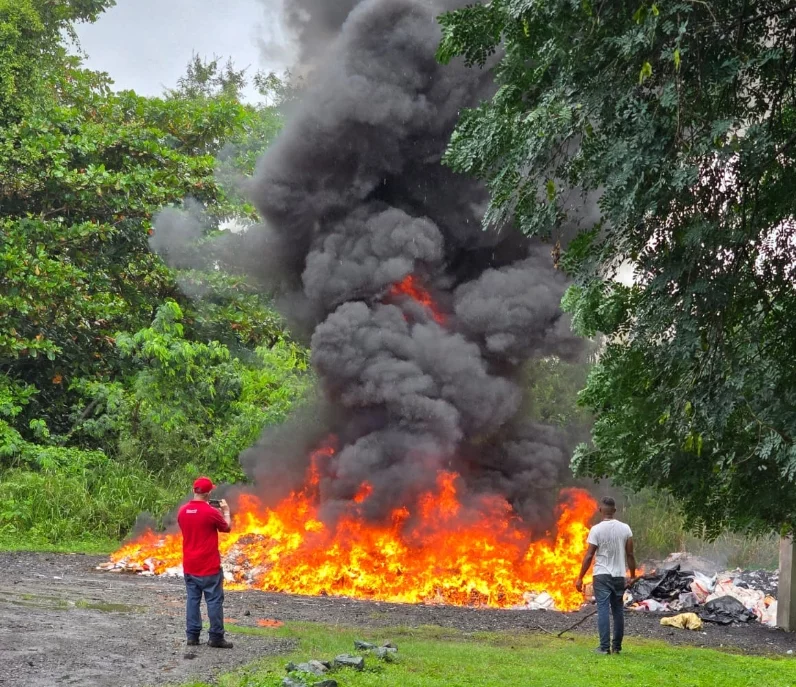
611	547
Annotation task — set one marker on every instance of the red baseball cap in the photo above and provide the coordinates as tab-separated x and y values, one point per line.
203	485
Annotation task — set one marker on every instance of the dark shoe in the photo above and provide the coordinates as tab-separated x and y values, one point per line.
219	644
602	652
192	641
616	651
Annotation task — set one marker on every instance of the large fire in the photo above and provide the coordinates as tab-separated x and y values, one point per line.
445	549
442	552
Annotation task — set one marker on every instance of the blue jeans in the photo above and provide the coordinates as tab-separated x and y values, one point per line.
609	592
213	589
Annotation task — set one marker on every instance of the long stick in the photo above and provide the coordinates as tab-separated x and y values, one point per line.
582	620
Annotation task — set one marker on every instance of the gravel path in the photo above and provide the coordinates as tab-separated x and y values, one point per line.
64	623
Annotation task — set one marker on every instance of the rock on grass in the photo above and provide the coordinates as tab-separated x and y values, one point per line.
349	661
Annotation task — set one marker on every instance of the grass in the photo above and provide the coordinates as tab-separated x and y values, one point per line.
437	657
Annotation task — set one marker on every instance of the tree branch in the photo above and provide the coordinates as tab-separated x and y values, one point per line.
766	15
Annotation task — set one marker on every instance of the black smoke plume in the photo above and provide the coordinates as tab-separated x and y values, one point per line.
354	200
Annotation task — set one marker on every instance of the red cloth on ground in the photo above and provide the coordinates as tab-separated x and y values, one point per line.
200	524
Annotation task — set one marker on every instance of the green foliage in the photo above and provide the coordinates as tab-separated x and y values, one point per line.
20	28
195	402
75	495
191	407
105	413
552	391
679	120
209	79
82	179
30	44
660	528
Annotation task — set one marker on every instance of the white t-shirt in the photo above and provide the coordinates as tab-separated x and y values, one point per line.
610	537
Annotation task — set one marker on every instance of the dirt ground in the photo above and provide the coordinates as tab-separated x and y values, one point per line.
64	623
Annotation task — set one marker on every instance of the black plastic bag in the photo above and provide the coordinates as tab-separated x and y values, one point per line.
663	586
725	610
642	589
674	583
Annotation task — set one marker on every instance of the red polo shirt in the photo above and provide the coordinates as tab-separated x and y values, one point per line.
200	524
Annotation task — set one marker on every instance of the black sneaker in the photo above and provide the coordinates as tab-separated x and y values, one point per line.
616	651
219	644
602	652
192	642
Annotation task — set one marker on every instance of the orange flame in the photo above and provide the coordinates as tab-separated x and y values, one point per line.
411	287
442	552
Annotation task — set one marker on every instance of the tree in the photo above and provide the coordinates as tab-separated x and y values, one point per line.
31	43
680	119
209	79
82	175
121	377
82	178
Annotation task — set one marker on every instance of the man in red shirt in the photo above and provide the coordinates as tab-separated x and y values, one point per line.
201	562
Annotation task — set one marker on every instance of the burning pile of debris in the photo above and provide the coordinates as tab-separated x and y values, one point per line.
724	597
416	473
440	551
238	569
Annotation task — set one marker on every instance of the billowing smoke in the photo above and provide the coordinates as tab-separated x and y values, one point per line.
419	320
315	24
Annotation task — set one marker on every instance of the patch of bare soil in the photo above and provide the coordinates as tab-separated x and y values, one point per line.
64	623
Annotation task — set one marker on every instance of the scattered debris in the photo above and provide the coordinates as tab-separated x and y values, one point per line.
663	587
536	601
725	610
651	605
577	624
685	601
682	583
766	581
685	621
676	589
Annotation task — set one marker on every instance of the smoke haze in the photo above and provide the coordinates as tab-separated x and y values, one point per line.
421	376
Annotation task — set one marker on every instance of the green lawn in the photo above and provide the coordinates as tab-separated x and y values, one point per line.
436	657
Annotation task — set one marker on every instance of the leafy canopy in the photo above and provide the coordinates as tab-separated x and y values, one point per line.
116	387
665	134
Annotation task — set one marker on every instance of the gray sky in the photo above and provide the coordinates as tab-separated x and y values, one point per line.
146	44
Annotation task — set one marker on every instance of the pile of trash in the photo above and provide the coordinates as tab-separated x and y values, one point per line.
536	601
724	598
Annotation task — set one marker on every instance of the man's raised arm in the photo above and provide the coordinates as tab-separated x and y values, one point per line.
225	513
